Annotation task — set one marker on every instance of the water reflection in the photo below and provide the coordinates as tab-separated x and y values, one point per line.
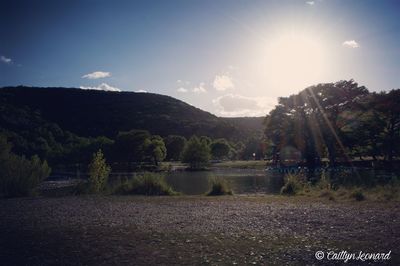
242	181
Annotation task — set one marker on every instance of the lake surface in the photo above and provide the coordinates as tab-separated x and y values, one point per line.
241	181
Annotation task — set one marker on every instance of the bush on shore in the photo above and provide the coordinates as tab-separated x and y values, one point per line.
219	187
20	176
148	184
293	185
358	195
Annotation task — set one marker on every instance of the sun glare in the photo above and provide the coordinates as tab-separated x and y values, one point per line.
294	61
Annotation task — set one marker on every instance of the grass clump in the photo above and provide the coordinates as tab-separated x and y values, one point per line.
390	192
358	195
148	184
293	185
219	187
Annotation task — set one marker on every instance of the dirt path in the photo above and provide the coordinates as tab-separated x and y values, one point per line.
192	230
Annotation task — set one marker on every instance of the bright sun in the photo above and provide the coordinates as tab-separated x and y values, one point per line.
294	61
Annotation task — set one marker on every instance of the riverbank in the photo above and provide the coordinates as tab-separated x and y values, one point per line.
192	230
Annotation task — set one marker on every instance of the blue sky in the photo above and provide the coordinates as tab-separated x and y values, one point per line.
231	58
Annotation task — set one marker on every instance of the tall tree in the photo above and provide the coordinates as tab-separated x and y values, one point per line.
175	145
131	146
387	104
197	153
310	120
156	149
220	148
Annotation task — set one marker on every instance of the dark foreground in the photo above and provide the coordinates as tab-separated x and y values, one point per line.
192	230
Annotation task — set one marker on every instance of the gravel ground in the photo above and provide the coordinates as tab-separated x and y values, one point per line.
185	230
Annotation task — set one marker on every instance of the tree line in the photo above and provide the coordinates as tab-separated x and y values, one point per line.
31	134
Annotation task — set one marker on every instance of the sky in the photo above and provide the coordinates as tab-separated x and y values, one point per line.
231	58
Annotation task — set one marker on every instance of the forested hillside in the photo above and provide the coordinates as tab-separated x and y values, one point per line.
100	113
68	125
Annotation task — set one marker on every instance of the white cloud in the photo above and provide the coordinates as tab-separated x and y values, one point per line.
182	89
200	88
101	87
141	91
5	59
311	3
351	44
238	105
97	75
182	82
223	82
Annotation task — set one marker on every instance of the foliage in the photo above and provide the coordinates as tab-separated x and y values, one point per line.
18	175
148	184
98	173
336	120
254	148
358	195
130	146
156	149
175	145
220	149
197	153
293	185
219	187
311	121
89	113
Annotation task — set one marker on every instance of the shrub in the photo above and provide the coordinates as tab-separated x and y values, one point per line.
358	195
148	184
18	175
98	173
219	187
292	186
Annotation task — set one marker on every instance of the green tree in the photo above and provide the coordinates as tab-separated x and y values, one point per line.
98	172
253	149
197	153
310	121
206	140
175	145
156	149
220	148
131	146
388	107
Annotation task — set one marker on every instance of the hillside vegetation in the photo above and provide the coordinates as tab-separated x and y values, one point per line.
91	113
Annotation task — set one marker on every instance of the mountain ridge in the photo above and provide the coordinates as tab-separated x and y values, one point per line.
92	113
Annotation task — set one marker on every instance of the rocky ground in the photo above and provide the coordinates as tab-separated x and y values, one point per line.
184	230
